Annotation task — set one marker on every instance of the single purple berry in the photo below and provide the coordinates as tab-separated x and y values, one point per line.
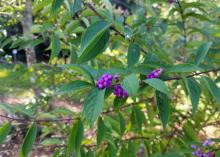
68	120
193	146
116	78
155	73
207	142
210	154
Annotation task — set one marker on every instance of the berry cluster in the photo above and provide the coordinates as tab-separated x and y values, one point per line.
105	81
199	152
119	91
155	73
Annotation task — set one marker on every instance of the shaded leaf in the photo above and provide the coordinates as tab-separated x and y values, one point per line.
93	105
202	52
73	86
133	54
4	131
158	85
101	131
194	92
29	140
56	4
55	48
93	40
163	107
131	85
75	138
51	141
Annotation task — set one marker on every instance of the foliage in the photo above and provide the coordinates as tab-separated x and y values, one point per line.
162	116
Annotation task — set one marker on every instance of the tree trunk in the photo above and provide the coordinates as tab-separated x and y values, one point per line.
26	24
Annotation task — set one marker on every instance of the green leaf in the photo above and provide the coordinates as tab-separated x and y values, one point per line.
133	54
75	7
158	85
189	131
4	131
29	140
73	54
55	48
202	52
7	108
181	68
194	92
118	102
75	138
163	107
56	4
122	123
73	86
95	36
24	110
51	141
81	69
131	85
197	16
93	105
101	131
214	90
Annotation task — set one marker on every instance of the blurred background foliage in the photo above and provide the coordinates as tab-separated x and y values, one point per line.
167	34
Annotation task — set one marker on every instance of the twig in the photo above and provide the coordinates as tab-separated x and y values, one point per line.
103	18
192	75
183	21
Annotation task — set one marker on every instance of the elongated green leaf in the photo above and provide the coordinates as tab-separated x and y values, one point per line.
24	110
75	7
122	123
180	68
202	52
56	4
133	54
214	90
163	107
4	131
118	102
96	36
51	141
131	85
189	131
7	108
74	86
55	48
93	105
96	48
194	92
81	69
197	16
73	54
75	138
158	85
101	131
29	140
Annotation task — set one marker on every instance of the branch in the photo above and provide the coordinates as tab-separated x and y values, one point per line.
192	75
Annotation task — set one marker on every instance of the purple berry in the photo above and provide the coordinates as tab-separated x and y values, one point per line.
207	143
193	146
116	78
155	73
119	92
